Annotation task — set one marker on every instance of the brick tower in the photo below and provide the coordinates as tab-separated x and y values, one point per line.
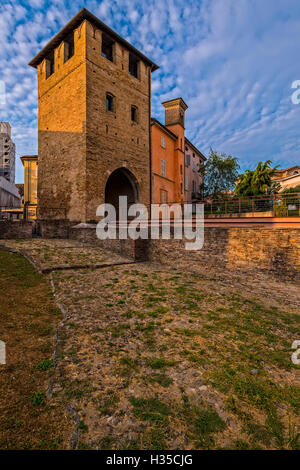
94	92
174	121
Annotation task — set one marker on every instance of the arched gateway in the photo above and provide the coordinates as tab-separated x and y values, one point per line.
121	183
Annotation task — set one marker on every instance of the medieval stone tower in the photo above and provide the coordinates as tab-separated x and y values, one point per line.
94	92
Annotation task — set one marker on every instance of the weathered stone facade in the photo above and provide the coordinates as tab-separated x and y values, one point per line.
81	143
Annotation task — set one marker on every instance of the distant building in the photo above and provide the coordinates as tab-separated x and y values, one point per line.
7	153
288	177
175	160
20	188
30	163
193	180
9	195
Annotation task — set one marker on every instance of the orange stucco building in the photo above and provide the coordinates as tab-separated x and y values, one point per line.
168	154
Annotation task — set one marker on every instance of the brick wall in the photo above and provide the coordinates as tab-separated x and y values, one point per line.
80	143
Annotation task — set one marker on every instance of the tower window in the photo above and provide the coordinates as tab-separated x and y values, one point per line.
134	65
107	48
110	102
163	142
69	47
50	65
134	113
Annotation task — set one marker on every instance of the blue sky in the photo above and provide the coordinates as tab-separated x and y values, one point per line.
232	61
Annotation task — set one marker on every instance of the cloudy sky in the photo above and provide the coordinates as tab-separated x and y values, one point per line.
232	61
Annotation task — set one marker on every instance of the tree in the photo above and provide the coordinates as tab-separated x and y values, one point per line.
258	181
220	174
296	189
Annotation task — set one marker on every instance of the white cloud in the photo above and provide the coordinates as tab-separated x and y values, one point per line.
232	61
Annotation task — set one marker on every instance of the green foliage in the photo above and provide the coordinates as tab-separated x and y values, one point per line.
258	181
296	189
221	173
38	399
45	365
150	409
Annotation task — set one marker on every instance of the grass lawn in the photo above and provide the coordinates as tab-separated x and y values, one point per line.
149	358
28	316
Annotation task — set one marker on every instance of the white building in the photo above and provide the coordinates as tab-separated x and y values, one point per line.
7	153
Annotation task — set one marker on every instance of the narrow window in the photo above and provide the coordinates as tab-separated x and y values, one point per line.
107	48
163	196
194	165
194	186
134	113
50	65
110	105
181	170
163	168
186	183
163	142
187	160
181	188
69	47
134	65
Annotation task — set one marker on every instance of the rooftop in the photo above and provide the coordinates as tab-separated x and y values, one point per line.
82	15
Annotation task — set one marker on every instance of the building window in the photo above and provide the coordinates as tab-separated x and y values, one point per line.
194	165
181	188
187	160
110	102
50	65
163	168
194	187
181	169
134	65
69	47
134	114
163	196
163	142
186	182
107	48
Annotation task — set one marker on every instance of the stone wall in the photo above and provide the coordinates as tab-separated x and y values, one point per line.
272	250
80	142
52	228
11	229
86	233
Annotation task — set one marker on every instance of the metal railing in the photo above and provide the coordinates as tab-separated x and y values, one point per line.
276	205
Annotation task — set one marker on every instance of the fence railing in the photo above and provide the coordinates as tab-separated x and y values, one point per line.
276	205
